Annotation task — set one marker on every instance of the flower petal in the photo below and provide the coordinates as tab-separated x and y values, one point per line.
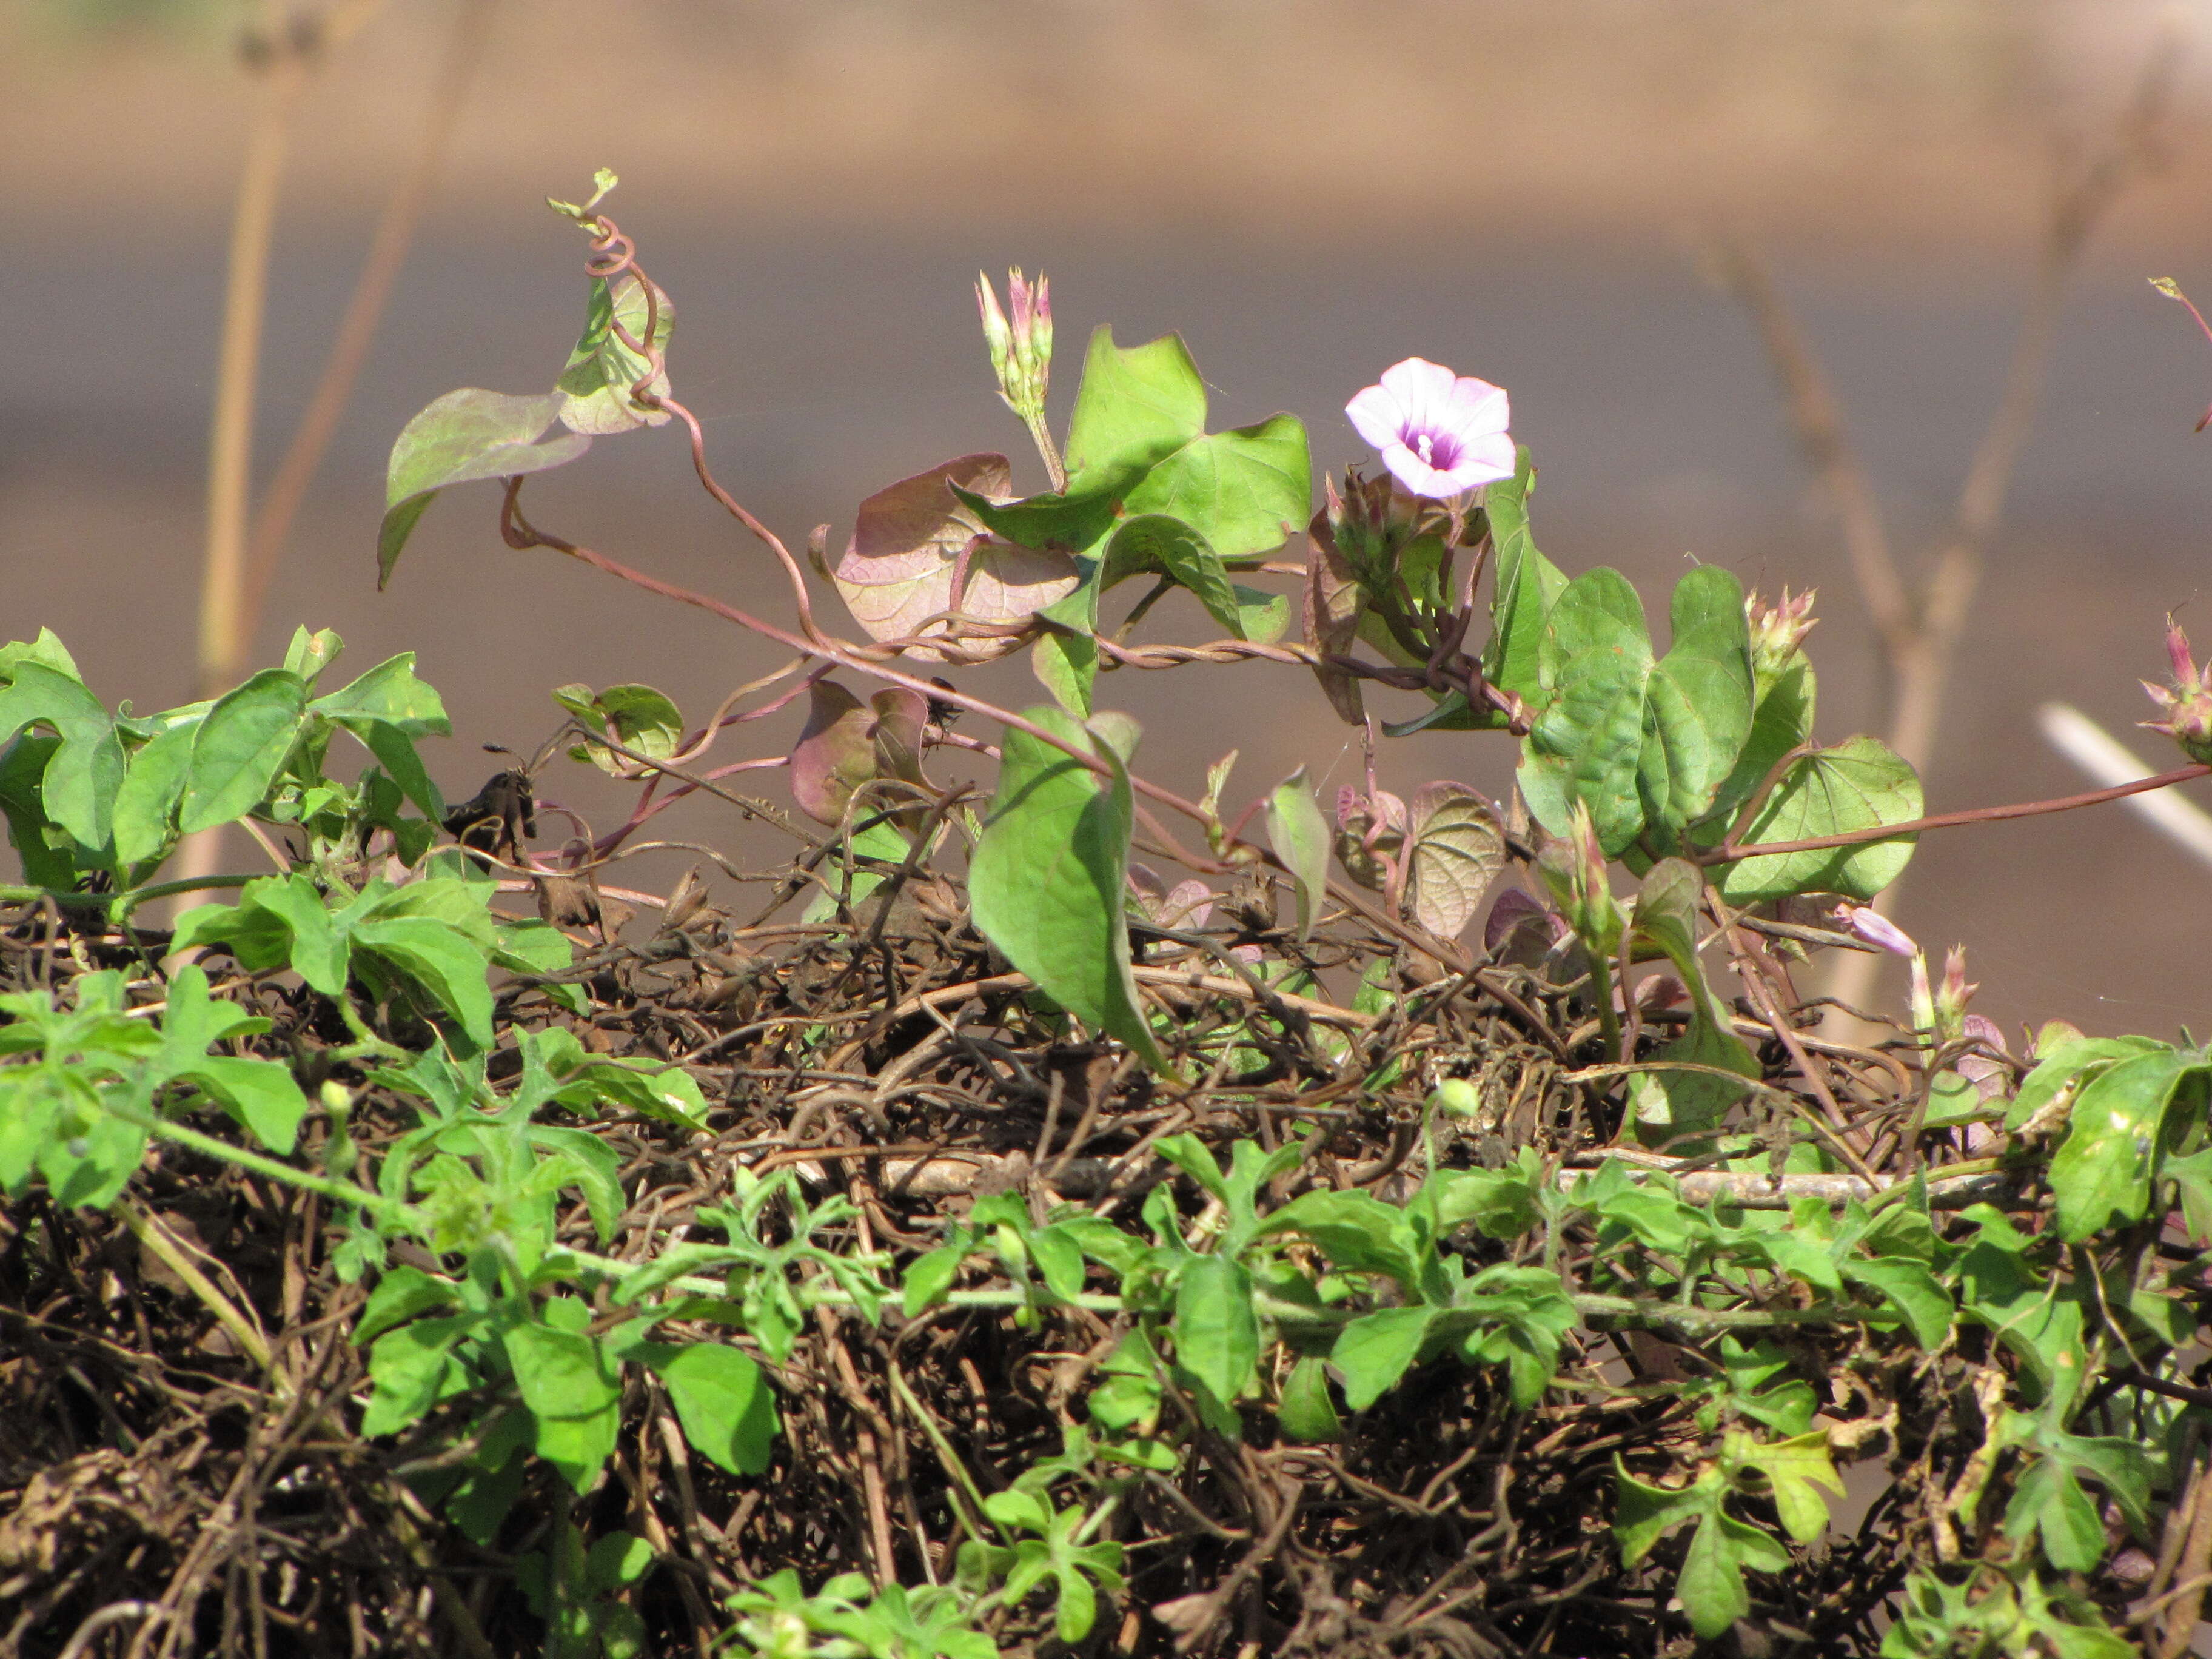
1476	409
1422	388
1486	460
1376	415
1417	475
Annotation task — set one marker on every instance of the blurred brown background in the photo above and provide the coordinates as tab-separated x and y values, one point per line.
1308	189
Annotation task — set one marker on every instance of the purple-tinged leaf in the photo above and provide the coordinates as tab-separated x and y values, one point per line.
1186	907
1523	929
901	715
1370	834
917	551
1458	847
835	753
1333	602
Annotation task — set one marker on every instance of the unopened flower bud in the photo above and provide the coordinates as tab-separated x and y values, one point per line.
997	336
1867	923
1876	928
1021	350
2188	706
1953	996
1364	523
1776	632
1032	326
1575	869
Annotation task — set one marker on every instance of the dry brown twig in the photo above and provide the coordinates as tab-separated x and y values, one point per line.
1919	628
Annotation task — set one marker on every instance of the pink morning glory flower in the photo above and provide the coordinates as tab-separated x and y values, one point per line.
1441	433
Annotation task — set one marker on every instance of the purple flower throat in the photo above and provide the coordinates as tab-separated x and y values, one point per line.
1441	450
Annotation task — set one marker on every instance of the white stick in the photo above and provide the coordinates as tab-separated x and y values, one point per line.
2093	749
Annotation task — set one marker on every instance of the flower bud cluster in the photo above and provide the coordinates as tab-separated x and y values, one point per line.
1776	632
1021	349
2188	706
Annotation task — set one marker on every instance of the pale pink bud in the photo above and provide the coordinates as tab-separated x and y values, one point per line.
1952	998
1777	631
1876	928
2188	706
996	334
1021	350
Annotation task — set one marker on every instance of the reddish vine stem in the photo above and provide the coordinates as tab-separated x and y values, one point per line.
1729	852
519	533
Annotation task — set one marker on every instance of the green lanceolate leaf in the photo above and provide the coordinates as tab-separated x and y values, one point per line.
443	961
1373	1352
574	1396
1062	524
1049	875
1217	1331
146	805
1262	617
1782	722
1299	835
1597	659
47	649
635	716
387	709
309	654
1860	784
1911	1289
461	437
1139	434
1669	1100
1711	1583
1153	542
1306	1411
390	693
261	1094
1066	665
40	844
2048	1501
1527	584
1700	709
1644	744
240	747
